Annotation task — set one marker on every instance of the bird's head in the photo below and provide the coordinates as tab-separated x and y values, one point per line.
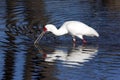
49	28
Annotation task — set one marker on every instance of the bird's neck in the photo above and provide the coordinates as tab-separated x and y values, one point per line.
59	32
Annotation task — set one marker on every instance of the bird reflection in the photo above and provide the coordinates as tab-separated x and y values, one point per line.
68	56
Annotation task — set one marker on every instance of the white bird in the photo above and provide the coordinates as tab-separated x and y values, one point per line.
74	28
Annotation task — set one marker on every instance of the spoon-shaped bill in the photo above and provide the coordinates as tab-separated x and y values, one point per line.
39	37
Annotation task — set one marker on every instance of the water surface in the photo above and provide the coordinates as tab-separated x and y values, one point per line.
55	58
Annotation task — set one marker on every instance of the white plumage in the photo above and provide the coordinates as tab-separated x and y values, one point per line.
74	28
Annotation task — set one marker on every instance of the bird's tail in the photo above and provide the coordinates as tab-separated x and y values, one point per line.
96	34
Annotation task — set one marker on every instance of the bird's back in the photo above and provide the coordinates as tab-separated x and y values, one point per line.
79	28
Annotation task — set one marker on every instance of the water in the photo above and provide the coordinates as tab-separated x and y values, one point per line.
55	58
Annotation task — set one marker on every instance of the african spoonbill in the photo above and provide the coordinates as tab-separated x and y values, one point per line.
74	28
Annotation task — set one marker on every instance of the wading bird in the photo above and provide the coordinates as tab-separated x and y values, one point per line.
74	28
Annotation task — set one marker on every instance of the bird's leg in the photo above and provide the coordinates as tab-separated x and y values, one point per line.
74	39
84	41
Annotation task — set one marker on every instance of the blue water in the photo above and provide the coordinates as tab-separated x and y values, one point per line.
55	58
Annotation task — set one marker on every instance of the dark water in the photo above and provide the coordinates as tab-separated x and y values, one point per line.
55	58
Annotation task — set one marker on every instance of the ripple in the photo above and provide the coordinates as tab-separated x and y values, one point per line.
55	58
